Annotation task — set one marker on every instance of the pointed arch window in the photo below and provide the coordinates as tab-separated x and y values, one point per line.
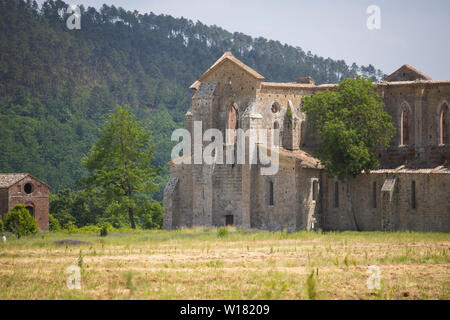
404	128
444	125
232	123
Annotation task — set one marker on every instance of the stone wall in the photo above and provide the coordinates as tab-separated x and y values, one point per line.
423	100
430	212
293	207
301	197
227	194
178	198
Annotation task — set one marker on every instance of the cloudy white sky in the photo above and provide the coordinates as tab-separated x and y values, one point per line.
415	32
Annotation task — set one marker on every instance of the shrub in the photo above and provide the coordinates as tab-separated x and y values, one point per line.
20	222
222	232
1	225
70	227
151	215
105	229
87	230
53	223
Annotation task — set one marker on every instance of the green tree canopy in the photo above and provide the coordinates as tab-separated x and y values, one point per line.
350	121
120	163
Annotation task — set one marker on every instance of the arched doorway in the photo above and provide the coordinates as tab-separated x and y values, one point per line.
30	210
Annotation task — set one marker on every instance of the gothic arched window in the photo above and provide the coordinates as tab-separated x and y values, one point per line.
444	125
404	130
232	122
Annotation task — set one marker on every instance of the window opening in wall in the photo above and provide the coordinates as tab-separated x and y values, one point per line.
404	134
336	194
271	195
232	123
374	194
229	220
28	188
275	107
30	210
413	195
444	125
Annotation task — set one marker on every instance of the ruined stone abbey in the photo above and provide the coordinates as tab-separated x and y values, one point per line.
410	190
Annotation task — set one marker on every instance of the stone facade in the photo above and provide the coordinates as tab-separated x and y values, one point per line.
410	191
27	190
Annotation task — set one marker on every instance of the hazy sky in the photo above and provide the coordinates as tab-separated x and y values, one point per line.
412	32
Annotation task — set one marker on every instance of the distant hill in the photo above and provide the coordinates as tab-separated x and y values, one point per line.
56	84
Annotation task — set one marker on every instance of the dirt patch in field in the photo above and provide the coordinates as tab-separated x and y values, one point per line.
72	242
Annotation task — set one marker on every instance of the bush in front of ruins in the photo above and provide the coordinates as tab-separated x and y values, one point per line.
222	232
20	222
70	227
1	225
105	229
53	223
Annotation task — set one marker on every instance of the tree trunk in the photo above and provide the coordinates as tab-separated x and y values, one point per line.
130	209
351	211
131	216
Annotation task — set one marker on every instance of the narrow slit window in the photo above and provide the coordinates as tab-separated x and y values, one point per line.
404	132
232	123
413	195
374	194
444	125
336	194
271	202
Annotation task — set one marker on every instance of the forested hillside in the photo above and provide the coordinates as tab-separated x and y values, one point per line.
56	84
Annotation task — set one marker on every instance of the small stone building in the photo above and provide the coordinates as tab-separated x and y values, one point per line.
23	188
410	190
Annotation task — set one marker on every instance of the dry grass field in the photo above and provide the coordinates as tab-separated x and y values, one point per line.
242	264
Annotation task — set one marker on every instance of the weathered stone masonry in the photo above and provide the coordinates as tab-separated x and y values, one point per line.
410	191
